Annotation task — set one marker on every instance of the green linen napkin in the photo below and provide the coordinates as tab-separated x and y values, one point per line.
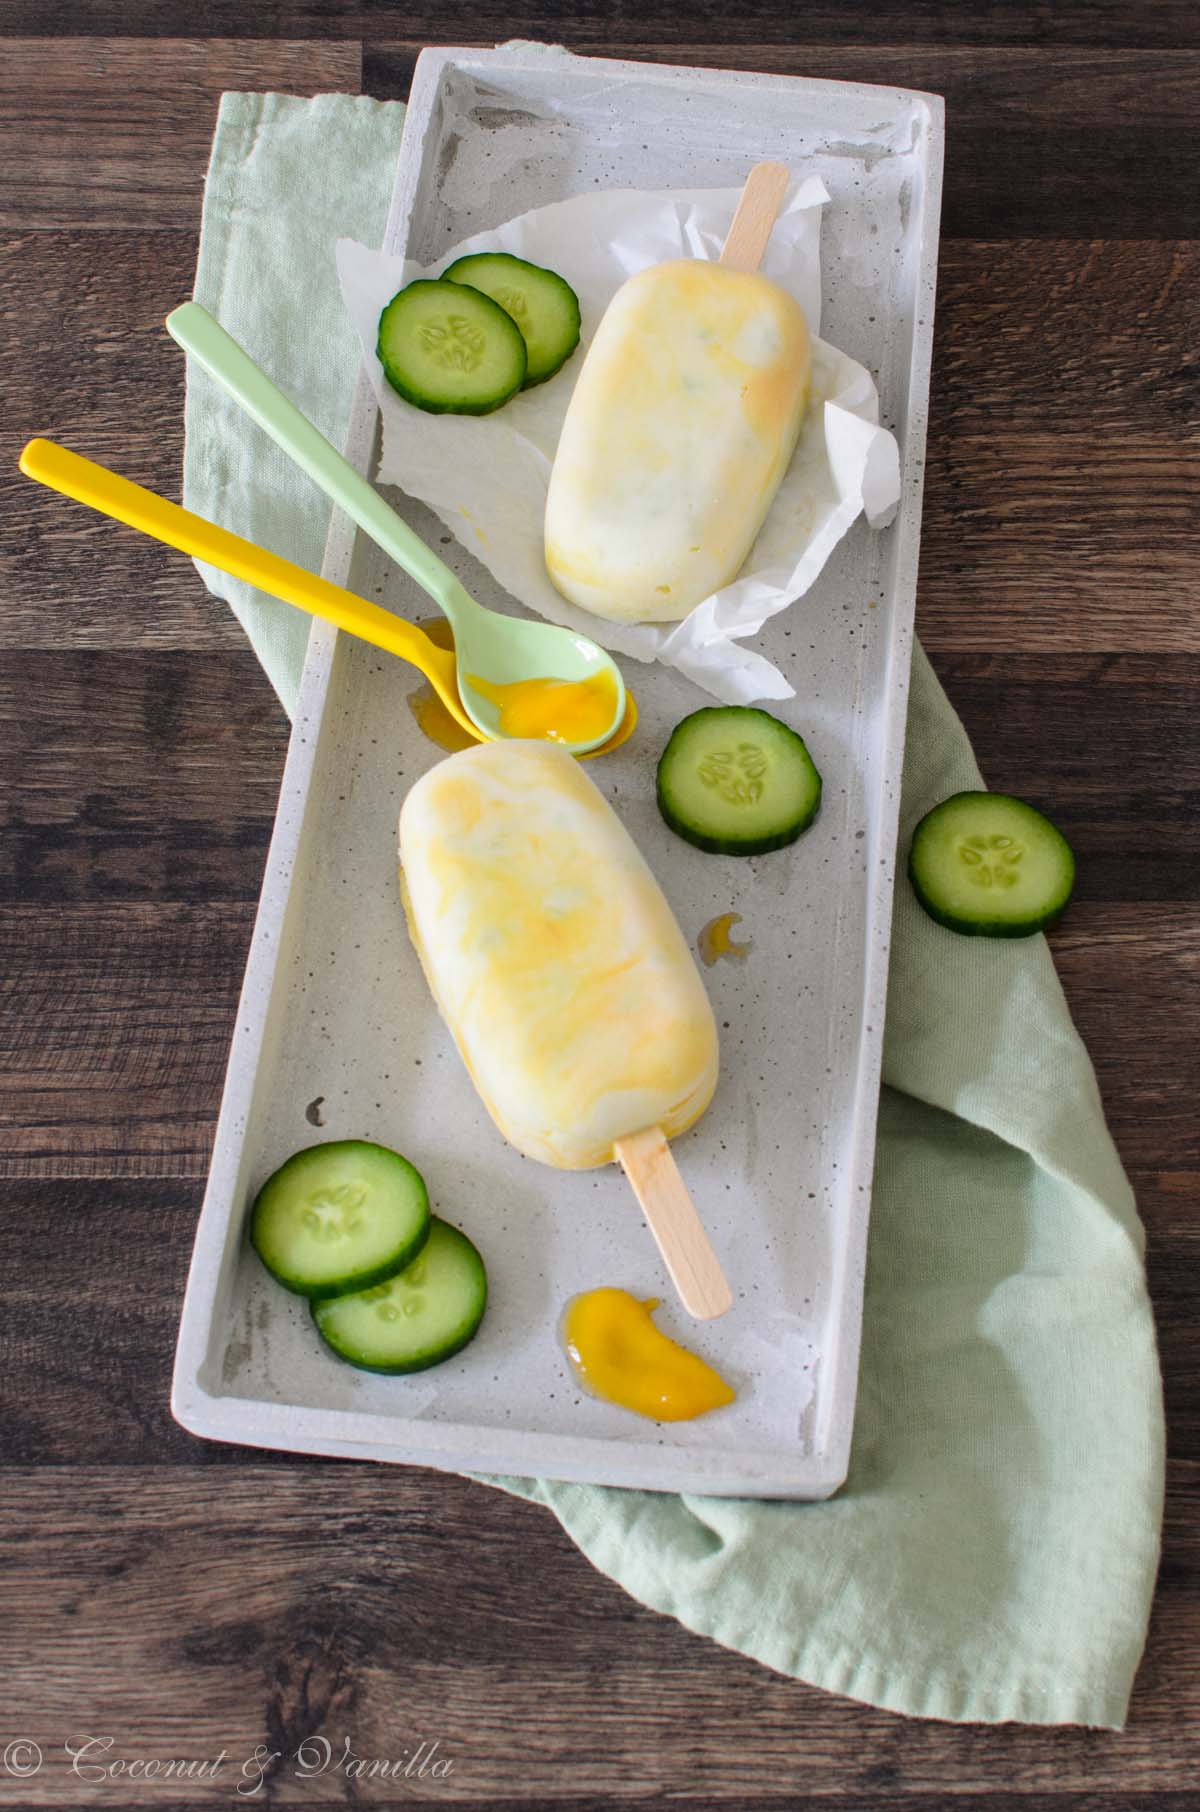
992	1555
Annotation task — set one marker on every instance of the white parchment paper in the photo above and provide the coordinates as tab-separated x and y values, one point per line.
486	477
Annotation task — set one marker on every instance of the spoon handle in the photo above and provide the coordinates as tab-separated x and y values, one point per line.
193	328
73	476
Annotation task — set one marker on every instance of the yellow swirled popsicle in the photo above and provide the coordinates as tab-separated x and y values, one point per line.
679	432
552	954
683	420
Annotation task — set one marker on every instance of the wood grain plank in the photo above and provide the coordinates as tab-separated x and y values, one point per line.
114	1032
1096	24
1130	182
115	132
151	777
123	1249
71	578
1061	508
1107	744
330	1598
1131	975
1057	541
1169	1204
1041	336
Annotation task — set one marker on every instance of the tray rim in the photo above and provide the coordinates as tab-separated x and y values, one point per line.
461	1447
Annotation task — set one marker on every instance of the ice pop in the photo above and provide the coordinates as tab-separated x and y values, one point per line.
679	431
556	961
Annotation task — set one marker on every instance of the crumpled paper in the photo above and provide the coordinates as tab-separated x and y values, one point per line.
486	477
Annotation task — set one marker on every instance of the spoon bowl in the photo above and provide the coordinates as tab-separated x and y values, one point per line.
543	681
508	669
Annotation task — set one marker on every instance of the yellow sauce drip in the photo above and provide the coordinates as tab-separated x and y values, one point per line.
618	1354
432	718
556	710
714	940
434	721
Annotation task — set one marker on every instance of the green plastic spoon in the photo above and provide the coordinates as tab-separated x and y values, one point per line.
501	651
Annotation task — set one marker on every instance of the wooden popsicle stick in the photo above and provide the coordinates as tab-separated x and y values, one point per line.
750	228
695	1269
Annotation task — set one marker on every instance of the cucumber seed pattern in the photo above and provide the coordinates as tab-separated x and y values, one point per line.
384	1295
454	343
992	861
333	1214
735	775
513	303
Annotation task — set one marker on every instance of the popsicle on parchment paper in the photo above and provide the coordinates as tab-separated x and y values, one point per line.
680	428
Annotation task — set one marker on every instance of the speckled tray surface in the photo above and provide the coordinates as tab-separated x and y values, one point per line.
335	1010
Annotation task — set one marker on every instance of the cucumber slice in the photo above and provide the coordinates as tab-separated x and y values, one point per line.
735	781
340	1216
989	865
543	305
417	1318
450	349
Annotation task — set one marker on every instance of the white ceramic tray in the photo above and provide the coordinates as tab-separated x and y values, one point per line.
334	1006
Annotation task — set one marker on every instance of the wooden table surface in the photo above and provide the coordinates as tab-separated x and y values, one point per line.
185	1599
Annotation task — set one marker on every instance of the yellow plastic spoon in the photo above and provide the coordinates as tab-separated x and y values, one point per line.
72	475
